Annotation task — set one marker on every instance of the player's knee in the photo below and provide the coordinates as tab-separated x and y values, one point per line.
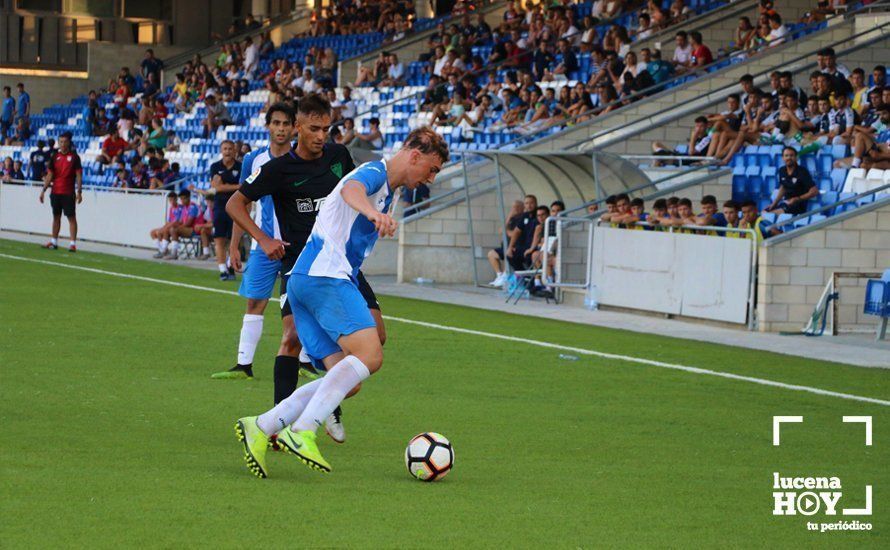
355	390
256	307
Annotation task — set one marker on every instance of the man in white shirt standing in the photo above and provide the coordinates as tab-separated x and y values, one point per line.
251	57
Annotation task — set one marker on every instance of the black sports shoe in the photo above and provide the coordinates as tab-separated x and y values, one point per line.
238	372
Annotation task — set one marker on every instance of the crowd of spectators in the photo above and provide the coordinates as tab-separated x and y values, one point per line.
841	107
394	19
15	116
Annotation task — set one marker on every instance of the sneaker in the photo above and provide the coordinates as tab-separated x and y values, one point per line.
225	277
231	273
334	426
204	257
50	246
499	280
158	255
72	248
172	256
255	444
303	446
238	372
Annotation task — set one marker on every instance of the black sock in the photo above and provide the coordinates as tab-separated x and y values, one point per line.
286	374
246	368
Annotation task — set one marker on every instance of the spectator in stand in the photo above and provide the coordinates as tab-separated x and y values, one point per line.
151	65
867	151
146	112
682	58
151	87
112	150
102	125
23	105
7	116
65	176
139	176
251	57
796	186
372	140
709	215
701	54
21	134
217	115
842	119
156	137
744	34
751	219
699	139
395	72
184	226
160	235
731	215
778	31
6	169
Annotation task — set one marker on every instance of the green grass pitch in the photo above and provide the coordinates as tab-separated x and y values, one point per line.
114	434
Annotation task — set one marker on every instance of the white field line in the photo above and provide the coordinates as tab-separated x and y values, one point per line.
538	343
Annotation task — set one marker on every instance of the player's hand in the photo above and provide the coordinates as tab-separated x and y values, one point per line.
235	258
510	252
385	225
273	248
41	196
79	197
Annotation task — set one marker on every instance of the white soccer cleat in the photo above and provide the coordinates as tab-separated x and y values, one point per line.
334	427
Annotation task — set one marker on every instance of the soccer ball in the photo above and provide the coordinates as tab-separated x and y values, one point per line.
429	456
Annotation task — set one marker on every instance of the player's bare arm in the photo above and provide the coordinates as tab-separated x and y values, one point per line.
237	209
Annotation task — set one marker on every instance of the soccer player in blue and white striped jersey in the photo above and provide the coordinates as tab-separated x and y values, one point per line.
334	325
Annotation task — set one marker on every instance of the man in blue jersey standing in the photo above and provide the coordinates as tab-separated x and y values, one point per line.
261	272
333	322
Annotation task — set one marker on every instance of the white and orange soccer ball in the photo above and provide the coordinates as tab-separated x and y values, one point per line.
429	456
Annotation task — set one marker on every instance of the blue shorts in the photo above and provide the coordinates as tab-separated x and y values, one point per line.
325	309
259	276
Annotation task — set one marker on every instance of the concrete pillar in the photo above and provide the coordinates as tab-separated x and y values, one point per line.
424	8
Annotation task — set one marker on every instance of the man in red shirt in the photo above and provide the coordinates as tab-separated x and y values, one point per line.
65	174
113	146
701	54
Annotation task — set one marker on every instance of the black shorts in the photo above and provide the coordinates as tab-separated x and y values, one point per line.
222	224
62	204
363	287
518	261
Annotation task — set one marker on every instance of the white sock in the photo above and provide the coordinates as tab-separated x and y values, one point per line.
163	246
158	244
222	268
206	250
73	243
251	331
284	413
856	162
54	241
175	247
339	380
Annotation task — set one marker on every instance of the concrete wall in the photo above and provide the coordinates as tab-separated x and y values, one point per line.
793	272
104	61
438	246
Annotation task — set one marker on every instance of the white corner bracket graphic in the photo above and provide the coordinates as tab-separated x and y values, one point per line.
777	423
861	511
864	420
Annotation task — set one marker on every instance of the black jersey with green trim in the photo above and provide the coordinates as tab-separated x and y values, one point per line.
298	188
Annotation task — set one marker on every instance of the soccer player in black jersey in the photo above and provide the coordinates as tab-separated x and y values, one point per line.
298	183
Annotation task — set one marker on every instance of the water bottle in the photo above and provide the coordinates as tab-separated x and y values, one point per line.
590	301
